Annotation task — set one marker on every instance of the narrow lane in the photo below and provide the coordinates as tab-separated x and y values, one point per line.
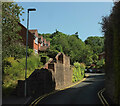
83	93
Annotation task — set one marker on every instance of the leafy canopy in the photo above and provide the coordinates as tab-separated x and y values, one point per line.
10	18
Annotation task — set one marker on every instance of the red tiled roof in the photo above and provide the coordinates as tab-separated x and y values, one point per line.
33	30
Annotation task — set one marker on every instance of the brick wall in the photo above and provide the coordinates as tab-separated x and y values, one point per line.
59	75
44	42
54	75
67	72
35	45
48	42
41	37
22	33
40	82
61	70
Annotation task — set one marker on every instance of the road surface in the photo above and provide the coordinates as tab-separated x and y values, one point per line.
83	93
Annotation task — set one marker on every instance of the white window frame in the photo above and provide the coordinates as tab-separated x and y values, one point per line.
36	51
36	40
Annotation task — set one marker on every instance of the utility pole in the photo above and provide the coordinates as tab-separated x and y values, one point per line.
26	49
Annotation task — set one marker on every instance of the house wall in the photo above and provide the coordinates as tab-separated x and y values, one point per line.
48	43
36	33
35	45
41	38
44	45
44	42
22	33
31	39
39	45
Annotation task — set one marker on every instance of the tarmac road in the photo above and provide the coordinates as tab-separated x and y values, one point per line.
83	93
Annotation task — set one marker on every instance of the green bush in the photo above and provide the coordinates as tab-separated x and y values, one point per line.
42	54
77	65
47	58
100	63
52	53
29	51
14	69
78	71
16	50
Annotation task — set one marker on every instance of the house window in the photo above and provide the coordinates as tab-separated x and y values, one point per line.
36	51
36	40
39	39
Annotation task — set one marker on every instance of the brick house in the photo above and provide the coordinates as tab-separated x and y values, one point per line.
35	42
22	33
43	44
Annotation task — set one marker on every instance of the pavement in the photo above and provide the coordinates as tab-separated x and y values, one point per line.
15	100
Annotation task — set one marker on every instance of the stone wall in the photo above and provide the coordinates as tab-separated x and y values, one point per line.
54	75
67	72
41	81
63	74
59	75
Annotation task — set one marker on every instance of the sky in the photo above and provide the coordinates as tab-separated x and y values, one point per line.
66	17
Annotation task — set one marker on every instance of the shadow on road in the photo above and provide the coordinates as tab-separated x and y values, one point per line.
83	93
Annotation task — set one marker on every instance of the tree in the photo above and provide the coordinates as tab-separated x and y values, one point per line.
96	43
10	27
76	34
71	45
87	55
95	58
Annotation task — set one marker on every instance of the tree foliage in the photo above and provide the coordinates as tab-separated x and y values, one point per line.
96	43
71	45
10	18
74	47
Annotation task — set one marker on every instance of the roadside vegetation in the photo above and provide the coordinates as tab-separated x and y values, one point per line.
111	30
14	52
14	70
78	71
